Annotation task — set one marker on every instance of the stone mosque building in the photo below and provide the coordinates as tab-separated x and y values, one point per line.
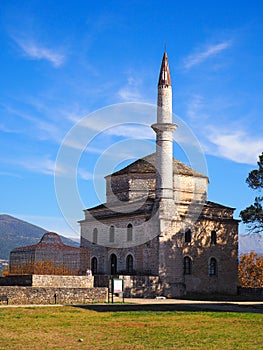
157	221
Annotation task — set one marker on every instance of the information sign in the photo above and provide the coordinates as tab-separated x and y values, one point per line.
117	285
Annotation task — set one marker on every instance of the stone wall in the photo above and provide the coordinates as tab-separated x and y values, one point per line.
48	295
251	293
48	281
134	286
140	286
62	281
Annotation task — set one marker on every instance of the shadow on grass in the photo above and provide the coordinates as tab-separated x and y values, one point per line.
202	307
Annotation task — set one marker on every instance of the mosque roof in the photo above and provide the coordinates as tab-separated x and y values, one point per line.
146	165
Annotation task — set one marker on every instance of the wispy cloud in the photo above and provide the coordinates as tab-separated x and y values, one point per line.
228	141
201	56
136	131
41	165
8	130
43	129
44	166
130	91
37	51
85	175
236	145
7	173
195	107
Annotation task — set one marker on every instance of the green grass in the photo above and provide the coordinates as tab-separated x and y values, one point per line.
62	327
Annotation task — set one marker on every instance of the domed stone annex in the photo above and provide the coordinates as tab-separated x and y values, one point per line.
49	256
157	227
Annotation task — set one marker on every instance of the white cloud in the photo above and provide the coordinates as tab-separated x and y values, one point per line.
41	165
235	145
43	129
8	130
199	57
195	107
37	51
130	91
129	94
222	136
6	173
45	166
85	175
136	131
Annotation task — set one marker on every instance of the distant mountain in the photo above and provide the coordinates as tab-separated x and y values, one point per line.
16	233
249	242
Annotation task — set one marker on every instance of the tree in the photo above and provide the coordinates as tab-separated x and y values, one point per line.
253	215
250	270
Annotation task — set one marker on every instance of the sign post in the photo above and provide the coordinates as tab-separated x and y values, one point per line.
117	285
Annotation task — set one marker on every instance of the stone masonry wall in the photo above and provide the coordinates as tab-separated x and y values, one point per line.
141	286
134	286
39	295
48	281
62	281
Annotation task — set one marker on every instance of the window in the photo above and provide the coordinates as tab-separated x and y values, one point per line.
94	266
129	264
188	236
187	265
212	267
213	237
129	233
112	234
95	236
113	264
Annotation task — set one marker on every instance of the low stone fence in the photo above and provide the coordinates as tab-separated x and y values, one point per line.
54	281
49	295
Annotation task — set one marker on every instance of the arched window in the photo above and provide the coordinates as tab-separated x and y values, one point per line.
188	236
129	233
112	231
113	264
212	267
187	265
213	237
129	264
95	235
94	265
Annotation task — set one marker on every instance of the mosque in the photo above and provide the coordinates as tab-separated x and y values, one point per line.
157	224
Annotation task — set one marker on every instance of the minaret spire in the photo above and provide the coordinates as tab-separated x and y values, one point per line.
164	129
164	76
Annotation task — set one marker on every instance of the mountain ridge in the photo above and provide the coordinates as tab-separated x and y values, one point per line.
250	242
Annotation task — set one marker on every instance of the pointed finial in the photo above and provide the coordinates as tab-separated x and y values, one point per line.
164	76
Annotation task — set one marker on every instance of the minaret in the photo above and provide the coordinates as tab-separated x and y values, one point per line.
169	221
164	129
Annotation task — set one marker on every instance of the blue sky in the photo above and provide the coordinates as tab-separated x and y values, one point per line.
59	63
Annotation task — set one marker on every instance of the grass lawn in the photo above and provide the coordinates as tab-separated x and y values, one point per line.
63	327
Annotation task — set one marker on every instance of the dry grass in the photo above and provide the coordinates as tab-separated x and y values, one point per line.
62	327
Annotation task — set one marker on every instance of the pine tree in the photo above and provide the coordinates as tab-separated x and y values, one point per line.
253	215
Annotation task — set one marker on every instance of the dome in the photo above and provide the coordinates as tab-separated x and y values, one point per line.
51	238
